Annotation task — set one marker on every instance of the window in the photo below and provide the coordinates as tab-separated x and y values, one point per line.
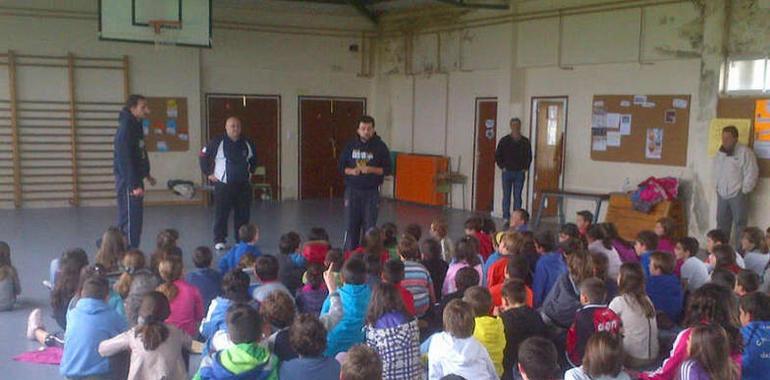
748	76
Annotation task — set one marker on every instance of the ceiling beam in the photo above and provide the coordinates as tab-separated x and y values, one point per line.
363	10
474	5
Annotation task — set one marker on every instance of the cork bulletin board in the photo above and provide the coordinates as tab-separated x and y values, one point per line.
647	129
743	108
167	128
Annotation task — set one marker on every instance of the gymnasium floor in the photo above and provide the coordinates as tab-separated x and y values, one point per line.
38	235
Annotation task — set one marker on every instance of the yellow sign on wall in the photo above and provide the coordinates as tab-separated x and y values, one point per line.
762	128
715	132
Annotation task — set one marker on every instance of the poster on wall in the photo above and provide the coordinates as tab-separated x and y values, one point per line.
762	129
715	132
654	146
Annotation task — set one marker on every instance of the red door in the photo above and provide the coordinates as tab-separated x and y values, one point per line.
484	176
326	126
260	119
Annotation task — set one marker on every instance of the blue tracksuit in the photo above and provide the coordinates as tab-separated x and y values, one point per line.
232	162
756	350
130	167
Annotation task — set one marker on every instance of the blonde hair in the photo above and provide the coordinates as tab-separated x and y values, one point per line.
133	261
170	270
111	250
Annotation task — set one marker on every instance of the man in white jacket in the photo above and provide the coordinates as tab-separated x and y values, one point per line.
735	176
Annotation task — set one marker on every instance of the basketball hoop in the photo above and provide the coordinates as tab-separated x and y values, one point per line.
166	32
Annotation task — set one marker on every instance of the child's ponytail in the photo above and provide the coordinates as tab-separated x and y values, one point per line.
170	270
154	310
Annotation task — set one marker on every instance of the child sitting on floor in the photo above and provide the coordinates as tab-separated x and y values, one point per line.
693	272
207	280
246	359
311	296
361	363
235	290
393	273
646	243
156	348
393	333
755	319
89	323
592	317
516	268
248	236
636	311
184	299
754	249
278	311
746	282
266	271
317	246
489	329
520	322
291	263
466	255
664	290
355	296
474	227
416	279
603	359
708	351
135	283
456	351
439	230
307	336
664	228
10	287
430	250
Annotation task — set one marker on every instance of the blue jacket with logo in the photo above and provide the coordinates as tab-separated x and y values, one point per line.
756	350
373	152
240	159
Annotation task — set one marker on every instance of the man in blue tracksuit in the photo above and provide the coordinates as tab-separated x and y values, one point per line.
228	162
364	163
131	166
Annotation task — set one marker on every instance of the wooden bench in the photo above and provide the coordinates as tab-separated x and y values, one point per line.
630	222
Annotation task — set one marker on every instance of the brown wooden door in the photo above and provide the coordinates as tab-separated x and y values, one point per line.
260	119
326	126
484	178
549	151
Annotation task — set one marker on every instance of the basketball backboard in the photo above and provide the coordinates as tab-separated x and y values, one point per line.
168	22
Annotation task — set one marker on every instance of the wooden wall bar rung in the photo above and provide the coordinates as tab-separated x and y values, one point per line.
73	125
14	129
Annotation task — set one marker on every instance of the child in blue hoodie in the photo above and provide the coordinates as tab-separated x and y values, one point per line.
355	295
246	359
235	289
646	243
664	288
207	280
755	318
248	236
90	322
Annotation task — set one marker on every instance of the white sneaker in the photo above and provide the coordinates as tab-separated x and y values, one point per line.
48	284
34	322
219	246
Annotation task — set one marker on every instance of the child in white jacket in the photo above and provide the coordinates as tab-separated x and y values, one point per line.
456	351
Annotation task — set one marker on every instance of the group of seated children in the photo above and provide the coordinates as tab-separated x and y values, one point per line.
580	303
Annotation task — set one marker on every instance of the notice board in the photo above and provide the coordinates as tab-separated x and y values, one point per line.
167	128
745	107
647	129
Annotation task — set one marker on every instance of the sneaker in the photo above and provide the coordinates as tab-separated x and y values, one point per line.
48	284
34	322
219	246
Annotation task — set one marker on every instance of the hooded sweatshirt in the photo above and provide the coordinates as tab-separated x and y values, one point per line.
240	362
131	164
373	152
464	357
89	323
562	302
756	352
490	332
349	330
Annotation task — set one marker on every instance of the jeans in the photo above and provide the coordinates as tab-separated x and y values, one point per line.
228	197
732	213
512	179
130	213
361	210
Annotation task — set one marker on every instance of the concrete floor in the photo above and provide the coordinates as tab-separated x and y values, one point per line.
38	235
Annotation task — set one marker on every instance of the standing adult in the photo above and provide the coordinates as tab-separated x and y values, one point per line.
735	176
364	163
513	156
131	166
228	162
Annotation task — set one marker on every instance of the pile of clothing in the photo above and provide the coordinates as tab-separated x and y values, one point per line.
653	191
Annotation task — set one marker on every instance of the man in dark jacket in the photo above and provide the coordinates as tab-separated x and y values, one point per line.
513	156
131	166
228	162
364	163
